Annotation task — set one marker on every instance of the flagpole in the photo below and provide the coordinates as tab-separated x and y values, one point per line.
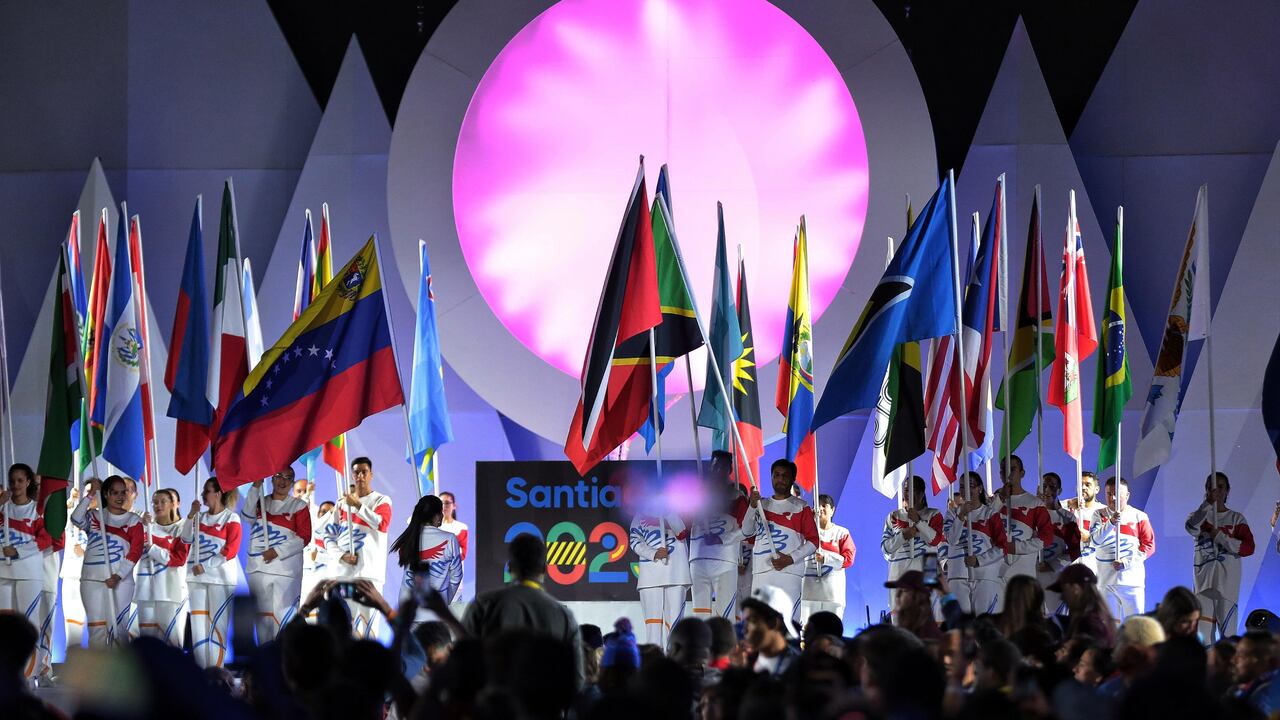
140	317
964	414
657	429
7	448
911	476
1120	419
1208	349
1002	249
395	354
1071	304
1038	271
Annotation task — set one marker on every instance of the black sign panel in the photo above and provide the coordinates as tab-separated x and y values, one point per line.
581	519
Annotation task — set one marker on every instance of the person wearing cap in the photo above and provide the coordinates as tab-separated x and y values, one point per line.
784	538
1088	615
1122	573
913	610
769	630
662	546
1027	525
974	548
910	532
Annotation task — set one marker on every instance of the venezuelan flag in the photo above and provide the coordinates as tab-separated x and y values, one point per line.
330	370
795	373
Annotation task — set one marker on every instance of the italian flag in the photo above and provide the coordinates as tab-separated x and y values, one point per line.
62	407
229	356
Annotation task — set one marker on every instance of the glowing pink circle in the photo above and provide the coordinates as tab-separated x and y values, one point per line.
736	97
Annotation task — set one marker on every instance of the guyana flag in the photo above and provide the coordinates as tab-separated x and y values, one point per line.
1114	387
1033	327
62	406
616	378
745	390
678	335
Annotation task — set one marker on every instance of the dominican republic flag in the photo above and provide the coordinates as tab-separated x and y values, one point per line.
120	368
187	373
1076	338
229	361
617	382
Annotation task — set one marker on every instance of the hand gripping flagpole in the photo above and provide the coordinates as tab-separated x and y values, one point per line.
711	358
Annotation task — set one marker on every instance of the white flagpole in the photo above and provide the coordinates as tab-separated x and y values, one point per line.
1071	314
1039	290
1119	420
1208	349
395	353
657	429
141	311
959	359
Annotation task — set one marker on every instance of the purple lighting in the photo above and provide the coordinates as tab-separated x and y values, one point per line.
736	97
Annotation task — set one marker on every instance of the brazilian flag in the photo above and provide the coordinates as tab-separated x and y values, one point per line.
1114	386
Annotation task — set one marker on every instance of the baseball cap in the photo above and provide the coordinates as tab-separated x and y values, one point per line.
773	600
1073	574
909	580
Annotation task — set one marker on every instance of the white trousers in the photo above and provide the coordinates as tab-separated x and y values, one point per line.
809	607
48	603
164	620
789	583
366	622
210	617
1219	616
278	597
744	590
977	596
715	589
22	597
663	607
99	604
72	612
1125	600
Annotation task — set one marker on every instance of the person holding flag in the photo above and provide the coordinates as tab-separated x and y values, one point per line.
279	529
1028	525
212	570
1222	538
794	398
784	537
974	547
1123	540
116	542
1065	548
162	572
910	532
22	548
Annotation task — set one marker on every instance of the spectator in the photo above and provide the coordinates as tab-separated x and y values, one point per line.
1093	665
17	646
1024	608
914	611
1256	671
724	638
1179	613
995	665
621	658
822	623
1088	613
1219	665
1134	654
766	615
690	647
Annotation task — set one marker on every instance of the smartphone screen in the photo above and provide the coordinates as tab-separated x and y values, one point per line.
931	569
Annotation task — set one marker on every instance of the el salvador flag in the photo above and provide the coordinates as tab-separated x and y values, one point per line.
124	445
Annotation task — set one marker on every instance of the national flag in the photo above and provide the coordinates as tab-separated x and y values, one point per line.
981	322
186	375
1114	387
252	322
1188	321
308	286
746	387
794	397
1271	399
91	337
79	300
330	370
429	425
334	451
678	334
616	379
1033	332
119	367
229	359
62	406
1075	337
914	300
725	337
142	307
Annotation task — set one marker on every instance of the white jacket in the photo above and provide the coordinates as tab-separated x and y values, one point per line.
219	543
794	533
826	581
287	530
647	537
124	540
162	571
27	536
1137	543
365	531
441	549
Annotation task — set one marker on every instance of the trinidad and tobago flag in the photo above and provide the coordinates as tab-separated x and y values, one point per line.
617	382
746	391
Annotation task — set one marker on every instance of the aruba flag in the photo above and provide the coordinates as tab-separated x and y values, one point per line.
330	370
795	372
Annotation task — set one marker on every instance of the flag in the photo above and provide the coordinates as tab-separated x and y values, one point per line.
1114	387
308	285
91	336
678	334
725	337
252	323
746	388
229	357
1271	399
794	398
898	424
120	368
981	322
186	375
62	406
616	379
79	300
1188	321
1032	333
330	370
334	451
915	299
1074	335
141	306
429	425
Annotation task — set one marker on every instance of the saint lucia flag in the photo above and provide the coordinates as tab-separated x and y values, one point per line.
119	369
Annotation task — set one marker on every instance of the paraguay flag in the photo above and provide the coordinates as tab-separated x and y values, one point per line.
1075	337
330	370
429	426
119	368
186	373
794	398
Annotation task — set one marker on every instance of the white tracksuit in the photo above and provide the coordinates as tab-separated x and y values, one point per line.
793	532
52	559
463	533
114	554
72	607
162	585
276	585
824	584
977	588
1064	550
715	549
22	577
1027	523
1125	588
442	552
315	561
215	544
1085	525
663	584
903	554
1221	540
361	530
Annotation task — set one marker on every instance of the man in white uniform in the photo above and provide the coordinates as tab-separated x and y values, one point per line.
785	535
662	544
1122	572
715	548
357	542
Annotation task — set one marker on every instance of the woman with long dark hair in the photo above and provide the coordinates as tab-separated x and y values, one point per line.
974	547
430	556
162	571
1024	608
1088	615
1179	613
1222	538
106	580
22	545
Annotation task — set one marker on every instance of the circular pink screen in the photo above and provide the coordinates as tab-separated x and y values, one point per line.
742	104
